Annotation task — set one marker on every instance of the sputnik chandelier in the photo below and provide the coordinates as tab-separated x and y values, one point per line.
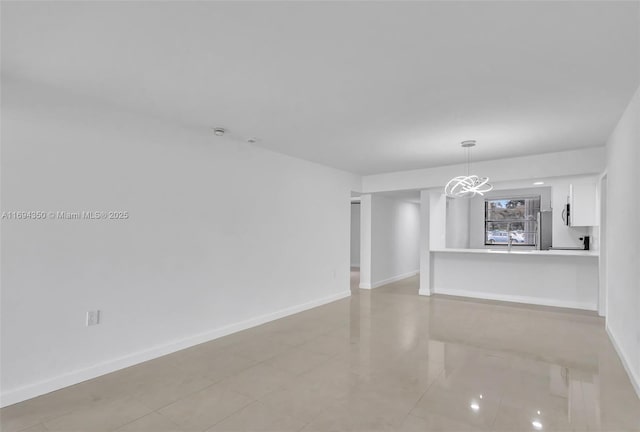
470	185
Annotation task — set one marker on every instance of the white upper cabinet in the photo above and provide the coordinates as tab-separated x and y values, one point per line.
582	202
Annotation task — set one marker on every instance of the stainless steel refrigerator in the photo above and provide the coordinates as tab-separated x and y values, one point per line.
544	229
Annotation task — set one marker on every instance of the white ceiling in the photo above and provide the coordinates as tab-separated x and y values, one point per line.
368	87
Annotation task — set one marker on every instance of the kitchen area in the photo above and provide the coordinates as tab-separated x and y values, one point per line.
533	241
550	207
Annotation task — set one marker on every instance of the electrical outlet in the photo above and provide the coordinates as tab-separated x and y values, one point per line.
93	318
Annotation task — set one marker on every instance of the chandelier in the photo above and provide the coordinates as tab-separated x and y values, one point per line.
470	185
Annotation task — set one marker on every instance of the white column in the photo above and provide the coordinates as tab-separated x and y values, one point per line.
433	229
425	234
437	220
365	241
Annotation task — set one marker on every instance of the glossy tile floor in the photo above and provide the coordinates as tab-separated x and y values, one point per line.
385	359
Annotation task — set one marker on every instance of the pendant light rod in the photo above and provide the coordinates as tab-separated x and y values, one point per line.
467	146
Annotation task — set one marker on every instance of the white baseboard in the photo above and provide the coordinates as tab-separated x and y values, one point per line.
364	285
392	279
516	299
634	378
74	377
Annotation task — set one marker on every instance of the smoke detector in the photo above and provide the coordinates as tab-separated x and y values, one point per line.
218	131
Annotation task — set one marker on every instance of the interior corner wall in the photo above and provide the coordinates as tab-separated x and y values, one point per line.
355	235
623	240
438	220
457	223
218	236
395	239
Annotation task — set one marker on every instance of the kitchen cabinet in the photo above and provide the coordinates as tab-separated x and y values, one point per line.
582	205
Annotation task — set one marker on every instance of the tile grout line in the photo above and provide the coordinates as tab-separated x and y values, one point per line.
425	392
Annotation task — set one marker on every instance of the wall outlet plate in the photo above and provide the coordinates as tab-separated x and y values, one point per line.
93	318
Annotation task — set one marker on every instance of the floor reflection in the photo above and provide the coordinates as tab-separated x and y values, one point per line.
494	366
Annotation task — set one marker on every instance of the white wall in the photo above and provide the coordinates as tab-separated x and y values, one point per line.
623	239
395	236
221	235
457	223
355	235
438	220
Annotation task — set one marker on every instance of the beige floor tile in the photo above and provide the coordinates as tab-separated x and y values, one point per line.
258	417
342	419
435	423
203	409
99	416
296	331
334	375
513	416
465	406
21	416
154	384
46	407
301	402
331	345
297	361
153	422
213	366
258	380
37	428
258	349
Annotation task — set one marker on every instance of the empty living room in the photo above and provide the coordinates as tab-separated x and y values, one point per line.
319	216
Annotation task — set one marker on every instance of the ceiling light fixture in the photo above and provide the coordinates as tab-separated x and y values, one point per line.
538	183
470	185
218	131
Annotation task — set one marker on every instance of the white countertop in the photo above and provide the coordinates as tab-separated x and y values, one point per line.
517	251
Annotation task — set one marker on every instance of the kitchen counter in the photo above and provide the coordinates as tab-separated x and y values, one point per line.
563	278
517	251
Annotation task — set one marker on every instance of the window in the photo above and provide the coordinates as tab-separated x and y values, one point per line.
515	217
